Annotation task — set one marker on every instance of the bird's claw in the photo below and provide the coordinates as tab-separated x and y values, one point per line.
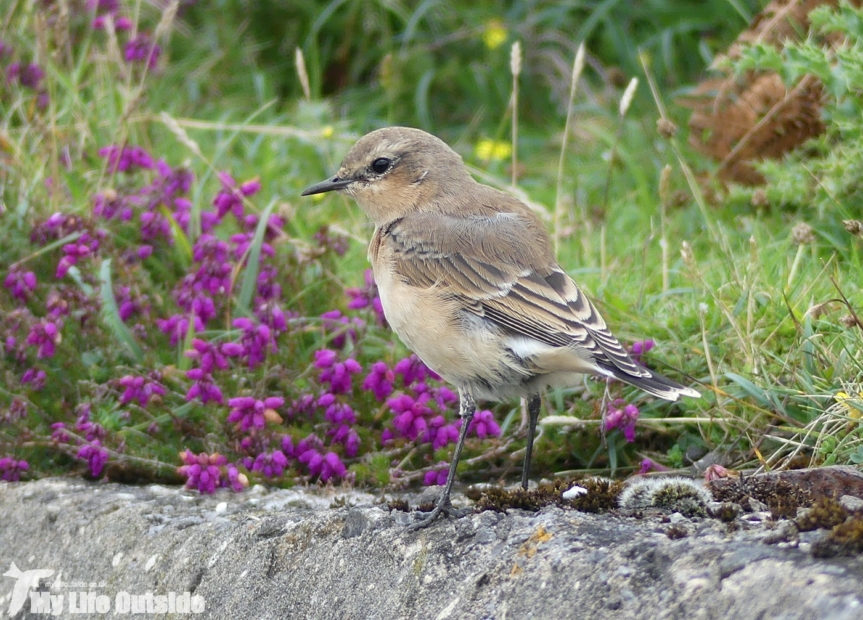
441	508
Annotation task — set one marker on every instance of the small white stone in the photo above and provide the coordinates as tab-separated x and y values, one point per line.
575	491
221	506
115	561
150	563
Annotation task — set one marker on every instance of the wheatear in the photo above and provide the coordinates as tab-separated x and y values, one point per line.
468	280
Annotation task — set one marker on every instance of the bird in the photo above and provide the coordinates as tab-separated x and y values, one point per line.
469	281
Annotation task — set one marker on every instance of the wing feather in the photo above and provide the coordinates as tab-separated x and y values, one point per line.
501	269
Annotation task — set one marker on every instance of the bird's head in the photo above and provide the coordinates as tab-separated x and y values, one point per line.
393	171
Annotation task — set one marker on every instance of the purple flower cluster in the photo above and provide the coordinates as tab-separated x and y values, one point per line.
335	375
17	410
320	464
127	158
45	335
379	381
21	283
418	410
95	455
10	468
367	297
435	477
141	389
86	245
103	10
623	416
249	412
230	197
340	327
26	75
142	49
207	472
639	348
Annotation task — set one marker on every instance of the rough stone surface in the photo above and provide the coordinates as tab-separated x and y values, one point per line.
297	554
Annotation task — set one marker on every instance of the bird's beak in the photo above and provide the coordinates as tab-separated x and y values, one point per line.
329	185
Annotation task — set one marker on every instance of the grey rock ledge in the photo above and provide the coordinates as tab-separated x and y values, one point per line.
331	554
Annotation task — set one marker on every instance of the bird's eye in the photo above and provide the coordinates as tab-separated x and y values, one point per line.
381	165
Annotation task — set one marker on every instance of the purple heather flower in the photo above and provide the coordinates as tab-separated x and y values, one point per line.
46	335
287	446
310	443
203	471
648	465
142	49
128	306
640	348
366	297
17	411
328	241
325	358
10	468
141	389
411	369
256	341
106	6
271	314
86	245
210	356
622	416
336	412
269	288
304	405
177	325
435	477
230	197
59	434
337	374
109	204
326	466
484	425
34	376
271	465
91	430
127	158
379	381
154	225
243	241
344	327
236	480
248	412
439	433
95	455
204	387
20	282
29	75
411	414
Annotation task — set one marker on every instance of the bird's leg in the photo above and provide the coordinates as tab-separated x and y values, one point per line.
467	407
604	408
533	404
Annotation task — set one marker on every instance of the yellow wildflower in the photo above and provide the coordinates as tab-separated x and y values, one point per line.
847	402
495	34
492	149
327	131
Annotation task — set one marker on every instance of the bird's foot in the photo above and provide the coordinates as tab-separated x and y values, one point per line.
443	507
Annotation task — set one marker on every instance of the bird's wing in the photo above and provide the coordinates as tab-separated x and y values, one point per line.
501	267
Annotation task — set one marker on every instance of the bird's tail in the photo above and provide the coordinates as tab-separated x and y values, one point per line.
652	382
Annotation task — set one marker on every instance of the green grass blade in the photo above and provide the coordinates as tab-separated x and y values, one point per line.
250	275
111	313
